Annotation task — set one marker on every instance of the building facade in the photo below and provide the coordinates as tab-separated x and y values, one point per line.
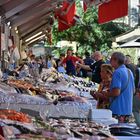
133	14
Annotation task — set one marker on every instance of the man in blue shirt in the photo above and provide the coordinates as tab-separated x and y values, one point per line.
121	89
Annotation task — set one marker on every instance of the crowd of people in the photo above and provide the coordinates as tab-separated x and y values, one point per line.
119	85
119	78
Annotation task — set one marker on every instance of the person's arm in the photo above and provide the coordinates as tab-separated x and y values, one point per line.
76	59
105	95
100	94
85	67
114	92
81	61
19	68
63	62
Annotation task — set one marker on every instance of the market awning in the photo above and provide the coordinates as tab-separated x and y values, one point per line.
128	36
132	44
30	17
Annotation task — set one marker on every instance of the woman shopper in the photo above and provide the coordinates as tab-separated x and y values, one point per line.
121	89
104	88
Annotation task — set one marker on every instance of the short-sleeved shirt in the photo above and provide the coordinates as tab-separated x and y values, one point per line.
72	58
96	70
122	104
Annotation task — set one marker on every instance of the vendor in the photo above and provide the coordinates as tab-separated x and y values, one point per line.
104	88
95	67
70	62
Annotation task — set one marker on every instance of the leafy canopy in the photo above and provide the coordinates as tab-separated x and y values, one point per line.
89	35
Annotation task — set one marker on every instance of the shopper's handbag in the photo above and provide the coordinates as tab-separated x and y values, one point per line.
113	99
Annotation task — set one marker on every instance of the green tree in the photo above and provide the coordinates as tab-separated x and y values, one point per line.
89	35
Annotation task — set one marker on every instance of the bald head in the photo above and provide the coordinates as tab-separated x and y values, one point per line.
97	56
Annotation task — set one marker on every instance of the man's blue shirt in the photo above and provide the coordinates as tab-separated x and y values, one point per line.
122	104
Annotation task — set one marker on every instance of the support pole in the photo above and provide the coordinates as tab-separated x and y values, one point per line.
2	52
0	38
129	13
139	14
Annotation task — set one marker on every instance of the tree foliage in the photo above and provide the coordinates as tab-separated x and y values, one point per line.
89	35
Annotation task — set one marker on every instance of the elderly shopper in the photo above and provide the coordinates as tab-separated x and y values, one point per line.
95	67
121	89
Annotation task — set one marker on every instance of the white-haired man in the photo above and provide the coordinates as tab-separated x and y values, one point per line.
95	67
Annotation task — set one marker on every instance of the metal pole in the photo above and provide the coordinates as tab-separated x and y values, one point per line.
2	52
0	38
129	13
139	14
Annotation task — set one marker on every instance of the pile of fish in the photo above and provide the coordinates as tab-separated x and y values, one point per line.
52	87
16	125
55	130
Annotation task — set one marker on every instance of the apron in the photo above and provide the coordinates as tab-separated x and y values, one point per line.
70	68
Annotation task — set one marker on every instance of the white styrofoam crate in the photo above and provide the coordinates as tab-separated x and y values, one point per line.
101	114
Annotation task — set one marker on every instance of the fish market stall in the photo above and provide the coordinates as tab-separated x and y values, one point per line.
61	103
58	107
57	94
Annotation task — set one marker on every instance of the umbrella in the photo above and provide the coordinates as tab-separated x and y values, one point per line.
131	44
